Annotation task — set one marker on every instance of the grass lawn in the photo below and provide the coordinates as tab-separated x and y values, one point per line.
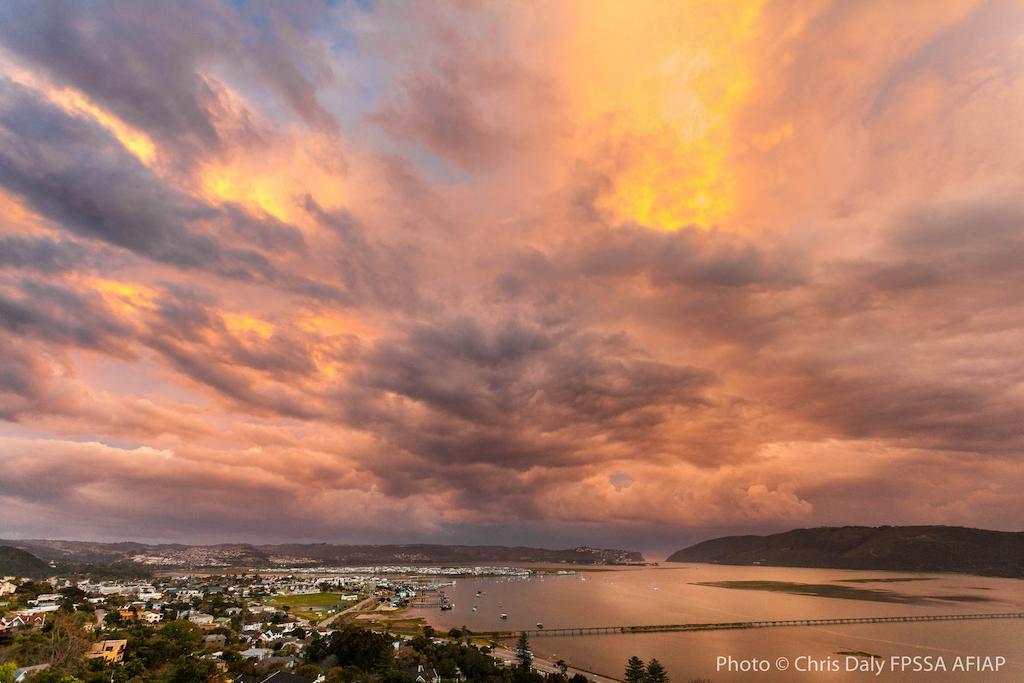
313	605
411	626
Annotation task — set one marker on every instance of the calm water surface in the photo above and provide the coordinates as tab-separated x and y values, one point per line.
667	595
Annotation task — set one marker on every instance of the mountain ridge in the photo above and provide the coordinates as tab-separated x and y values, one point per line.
15	561
309	554
895	548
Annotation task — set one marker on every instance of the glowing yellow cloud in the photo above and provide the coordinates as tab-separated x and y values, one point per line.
246	186
243	324
128	298
276	177
76	102
134	140
658	87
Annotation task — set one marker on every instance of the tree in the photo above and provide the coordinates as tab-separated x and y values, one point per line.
68	641
562	666
352	646
308	671
7	670
192	670
656	672
523	654
635	670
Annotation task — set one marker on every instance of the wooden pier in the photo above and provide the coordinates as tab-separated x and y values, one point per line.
735	625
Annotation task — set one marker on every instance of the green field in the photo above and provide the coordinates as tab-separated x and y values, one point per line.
312	605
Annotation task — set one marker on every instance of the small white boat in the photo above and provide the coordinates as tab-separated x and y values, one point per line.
504	616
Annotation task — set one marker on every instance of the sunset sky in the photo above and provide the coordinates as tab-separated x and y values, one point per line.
616	273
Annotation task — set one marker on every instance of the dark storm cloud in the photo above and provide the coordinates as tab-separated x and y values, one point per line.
264	231
970	246
23	378
513	394
75	173
445	119
57	314
688	258
148	62
41	254
941	291
366	270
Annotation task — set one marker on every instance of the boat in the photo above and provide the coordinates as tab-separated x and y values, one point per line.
540	625
504	616
474	608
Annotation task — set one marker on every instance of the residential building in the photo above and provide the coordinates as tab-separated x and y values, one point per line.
110	651
423	674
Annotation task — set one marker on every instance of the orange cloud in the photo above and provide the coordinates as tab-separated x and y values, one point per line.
657	87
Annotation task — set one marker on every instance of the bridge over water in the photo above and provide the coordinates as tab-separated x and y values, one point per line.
733	625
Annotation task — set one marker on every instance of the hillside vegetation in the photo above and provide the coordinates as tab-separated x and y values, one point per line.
900	548
17	562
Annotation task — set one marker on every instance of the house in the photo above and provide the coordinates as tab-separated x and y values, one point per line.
24	672
110	651
423	674
33	618
276	662
201	619
257	653
7	588
285	677
152	617
215	640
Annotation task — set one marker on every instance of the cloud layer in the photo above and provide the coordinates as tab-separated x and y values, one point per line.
510	273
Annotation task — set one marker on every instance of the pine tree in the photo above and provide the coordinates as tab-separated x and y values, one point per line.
523	654
656	672
635	672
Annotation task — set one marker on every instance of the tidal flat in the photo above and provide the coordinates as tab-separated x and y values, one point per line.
826	590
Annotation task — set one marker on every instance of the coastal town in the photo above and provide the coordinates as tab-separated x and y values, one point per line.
305	625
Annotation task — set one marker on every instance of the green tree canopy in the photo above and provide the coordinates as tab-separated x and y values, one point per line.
636	672
656	672
523	654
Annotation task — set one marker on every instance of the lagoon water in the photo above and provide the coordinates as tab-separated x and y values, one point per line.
667	595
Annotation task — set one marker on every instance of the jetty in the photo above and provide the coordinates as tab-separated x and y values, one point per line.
736	625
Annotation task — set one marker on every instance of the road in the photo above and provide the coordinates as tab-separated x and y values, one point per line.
359	606
546	666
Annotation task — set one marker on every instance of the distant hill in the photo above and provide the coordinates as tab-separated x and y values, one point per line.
310	554
900	548
17	562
